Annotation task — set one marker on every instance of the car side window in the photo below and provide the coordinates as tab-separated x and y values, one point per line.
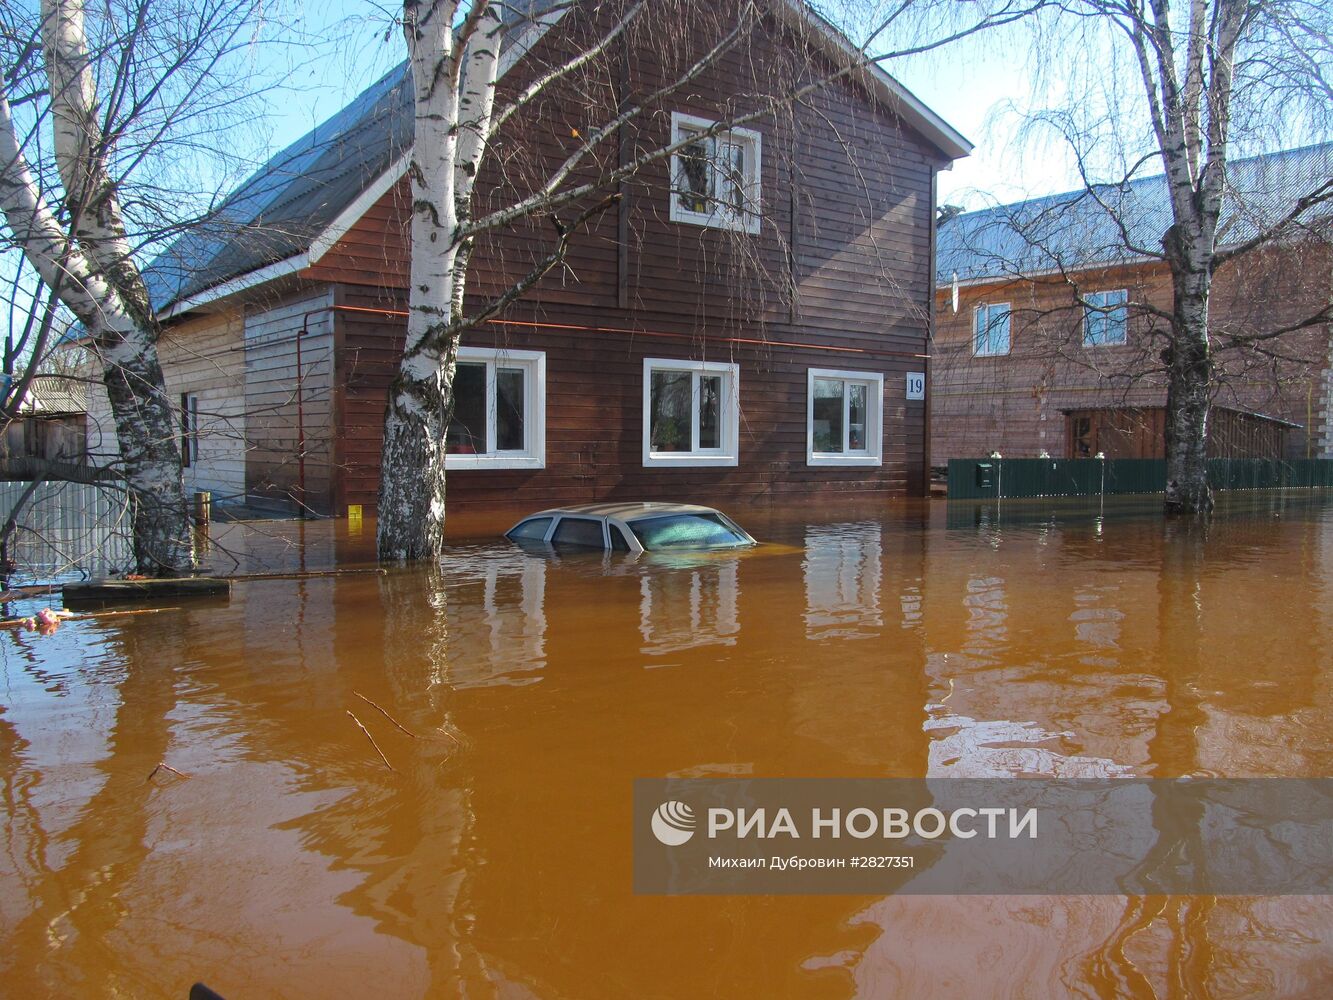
618	541
533	529
578	531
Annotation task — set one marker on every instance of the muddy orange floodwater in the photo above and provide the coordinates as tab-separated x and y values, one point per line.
898	641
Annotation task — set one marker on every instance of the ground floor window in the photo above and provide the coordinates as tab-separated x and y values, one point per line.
691	412
844	418
499	417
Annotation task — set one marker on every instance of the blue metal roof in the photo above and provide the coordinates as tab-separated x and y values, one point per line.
1115	224
284	205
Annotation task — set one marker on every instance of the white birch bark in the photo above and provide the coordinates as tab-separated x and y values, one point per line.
411	509
81	154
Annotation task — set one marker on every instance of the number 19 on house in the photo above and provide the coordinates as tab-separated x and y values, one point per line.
916	385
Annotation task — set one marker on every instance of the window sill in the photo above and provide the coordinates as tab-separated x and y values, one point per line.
827	459
686	460
459	463
716	220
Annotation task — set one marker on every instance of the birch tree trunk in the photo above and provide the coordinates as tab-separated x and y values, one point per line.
453	78
1189	385
1189	98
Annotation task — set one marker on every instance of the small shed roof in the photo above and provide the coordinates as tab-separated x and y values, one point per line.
54	395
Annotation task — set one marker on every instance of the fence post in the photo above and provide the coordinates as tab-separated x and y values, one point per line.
203	508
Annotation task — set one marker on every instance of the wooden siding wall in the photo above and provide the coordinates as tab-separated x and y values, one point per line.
206	358
594	418
1116	433
1141	433
847	216
1015	403
54	438
283	401
1233	434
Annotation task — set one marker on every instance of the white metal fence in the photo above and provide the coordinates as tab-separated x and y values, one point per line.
67	530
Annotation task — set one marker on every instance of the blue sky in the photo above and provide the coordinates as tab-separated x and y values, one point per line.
983	89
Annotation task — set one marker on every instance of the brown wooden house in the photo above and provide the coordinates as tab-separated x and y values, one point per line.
1049	332
735	334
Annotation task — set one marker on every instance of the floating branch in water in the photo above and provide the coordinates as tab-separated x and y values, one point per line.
372	742
399	725
453	734
386	715
164	766
37	620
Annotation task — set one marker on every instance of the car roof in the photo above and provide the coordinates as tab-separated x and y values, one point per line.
626	511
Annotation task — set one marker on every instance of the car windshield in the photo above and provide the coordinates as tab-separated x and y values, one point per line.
533	529
686	531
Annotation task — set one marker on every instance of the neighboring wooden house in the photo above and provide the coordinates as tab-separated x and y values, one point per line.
727	334
1021	366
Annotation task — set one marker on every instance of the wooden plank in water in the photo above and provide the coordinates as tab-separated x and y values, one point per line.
100	593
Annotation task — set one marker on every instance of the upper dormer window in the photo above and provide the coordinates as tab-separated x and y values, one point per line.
715	178
1105	318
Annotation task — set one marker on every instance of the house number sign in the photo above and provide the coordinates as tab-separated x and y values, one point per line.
916	385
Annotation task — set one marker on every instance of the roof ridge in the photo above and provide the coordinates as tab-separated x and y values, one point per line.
1133	182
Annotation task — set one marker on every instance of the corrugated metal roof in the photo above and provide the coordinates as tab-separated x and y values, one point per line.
284	205
55	394
1115	224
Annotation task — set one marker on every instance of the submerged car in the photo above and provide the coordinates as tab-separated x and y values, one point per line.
632	527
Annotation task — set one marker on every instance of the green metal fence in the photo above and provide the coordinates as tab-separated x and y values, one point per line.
988	478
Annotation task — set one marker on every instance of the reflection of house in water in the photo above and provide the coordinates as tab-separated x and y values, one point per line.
683	608
499	636
842	580
987	615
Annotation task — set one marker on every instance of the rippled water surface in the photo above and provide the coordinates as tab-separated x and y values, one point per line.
494	861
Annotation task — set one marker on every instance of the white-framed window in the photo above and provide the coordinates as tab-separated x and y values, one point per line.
990	329
715	179
499	417
844	419
189	429
1105	318
691	412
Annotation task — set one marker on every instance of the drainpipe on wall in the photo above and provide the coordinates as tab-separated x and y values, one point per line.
303	332
930	338
300	414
